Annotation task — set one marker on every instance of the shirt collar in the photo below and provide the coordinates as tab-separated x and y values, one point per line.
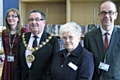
103	31
76	52
39	35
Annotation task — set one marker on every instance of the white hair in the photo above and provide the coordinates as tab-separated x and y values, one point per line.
70	26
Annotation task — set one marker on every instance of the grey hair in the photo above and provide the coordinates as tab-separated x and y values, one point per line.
70	26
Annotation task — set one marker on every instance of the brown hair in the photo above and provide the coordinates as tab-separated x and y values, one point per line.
18	28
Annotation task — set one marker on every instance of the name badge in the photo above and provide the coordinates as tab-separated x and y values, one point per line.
73	66
10	58
104	66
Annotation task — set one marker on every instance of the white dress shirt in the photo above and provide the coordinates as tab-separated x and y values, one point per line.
109	34
30	43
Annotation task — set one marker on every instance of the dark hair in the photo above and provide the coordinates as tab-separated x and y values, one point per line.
38	11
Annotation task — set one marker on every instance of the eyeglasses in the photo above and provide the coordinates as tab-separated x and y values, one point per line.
37	19
69	37
102	13
12	16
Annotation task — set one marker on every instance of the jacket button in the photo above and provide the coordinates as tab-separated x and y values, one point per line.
61	66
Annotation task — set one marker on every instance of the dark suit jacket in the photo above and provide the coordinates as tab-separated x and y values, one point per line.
80	58
94	43
42	61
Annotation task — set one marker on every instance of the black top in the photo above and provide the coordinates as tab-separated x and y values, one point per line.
77	66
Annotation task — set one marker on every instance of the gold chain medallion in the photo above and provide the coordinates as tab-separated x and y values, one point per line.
30	58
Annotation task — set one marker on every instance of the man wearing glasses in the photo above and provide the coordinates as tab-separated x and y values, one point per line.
104	43
36	49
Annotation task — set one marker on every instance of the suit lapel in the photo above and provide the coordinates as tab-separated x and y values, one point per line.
27	36
113	42
44	37
100	45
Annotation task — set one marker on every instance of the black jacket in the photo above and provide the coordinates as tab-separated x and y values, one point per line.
77	66
43	57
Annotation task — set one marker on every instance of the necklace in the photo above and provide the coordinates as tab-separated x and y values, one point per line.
30	58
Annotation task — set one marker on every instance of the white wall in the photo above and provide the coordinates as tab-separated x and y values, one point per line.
1	12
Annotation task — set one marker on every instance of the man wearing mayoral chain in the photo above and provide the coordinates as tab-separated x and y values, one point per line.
36	49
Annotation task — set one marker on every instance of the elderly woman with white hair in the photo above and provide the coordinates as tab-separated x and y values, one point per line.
74	62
